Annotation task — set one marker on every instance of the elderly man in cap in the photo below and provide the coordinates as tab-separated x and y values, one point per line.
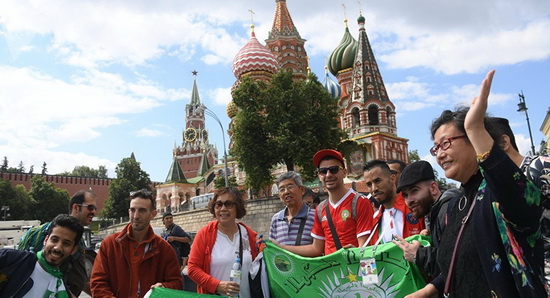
422	195
345	219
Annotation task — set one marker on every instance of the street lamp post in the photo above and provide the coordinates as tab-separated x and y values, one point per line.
522	107
208	112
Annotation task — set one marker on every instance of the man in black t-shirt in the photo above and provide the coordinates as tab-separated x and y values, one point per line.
177	237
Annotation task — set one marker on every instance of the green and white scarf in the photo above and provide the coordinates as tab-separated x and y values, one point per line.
56	287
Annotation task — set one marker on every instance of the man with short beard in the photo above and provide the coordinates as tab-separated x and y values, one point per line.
422	195
83	207
394	217
24	274
135	260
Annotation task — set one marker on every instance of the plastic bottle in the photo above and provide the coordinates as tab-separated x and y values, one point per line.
235	274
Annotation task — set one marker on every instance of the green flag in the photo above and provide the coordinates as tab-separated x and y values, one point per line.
337	275
159	292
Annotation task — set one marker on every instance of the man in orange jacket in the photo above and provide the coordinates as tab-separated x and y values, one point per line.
132	262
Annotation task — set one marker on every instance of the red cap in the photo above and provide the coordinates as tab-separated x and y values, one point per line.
327	152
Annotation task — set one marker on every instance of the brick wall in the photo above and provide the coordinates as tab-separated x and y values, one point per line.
258	217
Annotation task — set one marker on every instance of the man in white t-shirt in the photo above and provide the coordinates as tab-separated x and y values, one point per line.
24	274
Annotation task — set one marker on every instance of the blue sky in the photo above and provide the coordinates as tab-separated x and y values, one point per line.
89	82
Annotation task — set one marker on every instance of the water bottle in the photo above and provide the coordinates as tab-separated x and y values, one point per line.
235	274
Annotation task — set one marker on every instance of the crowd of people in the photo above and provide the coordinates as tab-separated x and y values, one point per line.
486	235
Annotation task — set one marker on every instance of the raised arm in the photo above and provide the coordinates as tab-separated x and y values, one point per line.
474	123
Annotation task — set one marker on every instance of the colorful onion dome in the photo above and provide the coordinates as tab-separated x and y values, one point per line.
231	109
254	57
332	87
343	56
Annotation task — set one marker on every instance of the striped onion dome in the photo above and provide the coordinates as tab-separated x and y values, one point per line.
332	87
344	55
231	109
254	57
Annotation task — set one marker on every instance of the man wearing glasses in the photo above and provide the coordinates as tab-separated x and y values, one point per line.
292	225
82	206
135	260
345	219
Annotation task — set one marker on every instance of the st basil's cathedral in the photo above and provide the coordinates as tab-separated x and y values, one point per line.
366	112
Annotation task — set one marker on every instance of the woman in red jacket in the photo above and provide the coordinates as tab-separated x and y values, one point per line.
219	243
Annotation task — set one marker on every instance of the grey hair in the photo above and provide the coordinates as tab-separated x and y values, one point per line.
290	175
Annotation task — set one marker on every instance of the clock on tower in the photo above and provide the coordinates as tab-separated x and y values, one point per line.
190	134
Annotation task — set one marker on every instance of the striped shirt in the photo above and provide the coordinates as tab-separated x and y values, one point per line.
286	233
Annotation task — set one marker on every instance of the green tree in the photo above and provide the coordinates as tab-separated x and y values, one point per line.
21	167
285	121
219	181
85	171
44	169
4	166
49	200
130	177
413	156
16	198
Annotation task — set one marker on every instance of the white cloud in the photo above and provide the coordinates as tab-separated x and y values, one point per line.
524	144
221	96
47	112
148	132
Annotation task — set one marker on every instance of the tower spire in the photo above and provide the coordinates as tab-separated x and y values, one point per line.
195	99
285	42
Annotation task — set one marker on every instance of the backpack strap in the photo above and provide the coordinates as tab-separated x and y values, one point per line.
354	205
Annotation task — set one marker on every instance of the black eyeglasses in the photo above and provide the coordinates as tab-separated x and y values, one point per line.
142	193
89	207
444	145
227	204
333	170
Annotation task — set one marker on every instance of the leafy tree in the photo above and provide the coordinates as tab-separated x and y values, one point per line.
31	169
285	121
219	181
413	156
130	177
85	171
21	167
4	166
50	200
44	169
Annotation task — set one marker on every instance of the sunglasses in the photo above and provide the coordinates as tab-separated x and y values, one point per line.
89	207
143	193
227	204
333	170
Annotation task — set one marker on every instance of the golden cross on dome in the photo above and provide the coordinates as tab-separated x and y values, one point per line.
252	13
